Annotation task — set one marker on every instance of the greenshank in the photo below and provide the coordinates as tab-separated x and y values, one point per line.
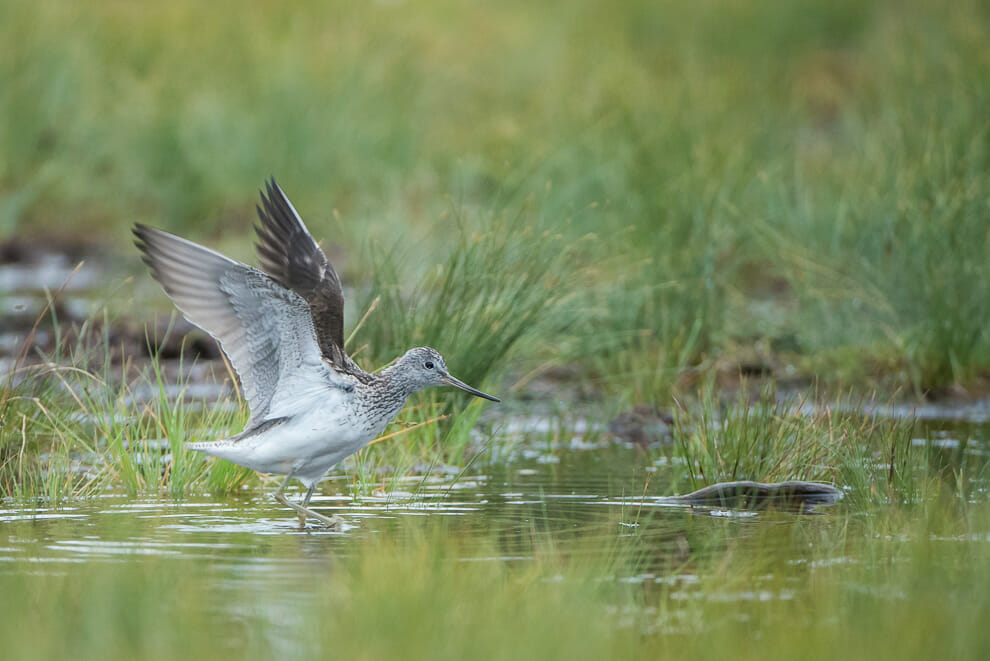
282	329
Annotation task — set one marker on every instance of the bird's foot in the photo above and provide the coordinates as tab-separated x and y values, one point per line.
303	512
334	522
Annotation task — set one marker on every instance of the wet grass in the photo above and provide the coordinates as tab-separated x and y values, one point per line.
796	438
76	433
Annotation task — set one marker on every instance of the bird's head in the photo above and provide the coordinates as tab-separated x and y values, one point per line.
424	367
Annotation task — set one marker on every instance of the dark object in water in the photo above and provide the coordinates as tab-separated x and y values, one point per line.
759	495
643	425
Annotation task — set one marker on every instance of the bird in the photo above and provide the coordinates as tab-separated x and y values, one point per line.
281	328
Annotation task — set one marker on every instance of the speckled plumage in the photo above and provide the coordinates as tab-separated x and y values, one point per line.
282	330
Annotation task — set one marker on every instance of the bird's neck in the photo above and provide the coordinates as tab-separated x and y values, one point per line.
391	383
382	399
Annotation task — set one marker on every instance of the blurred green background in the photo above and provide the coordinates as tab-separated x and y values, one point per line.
799	185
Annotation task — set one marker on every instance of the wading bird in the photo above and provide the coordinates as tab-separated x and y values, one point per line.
282	329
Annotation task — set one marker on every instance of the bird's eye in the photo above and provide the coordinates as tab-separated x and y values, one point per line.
428	364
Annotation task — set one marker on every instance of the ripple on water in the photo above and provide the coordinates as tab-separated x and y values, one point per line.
582	503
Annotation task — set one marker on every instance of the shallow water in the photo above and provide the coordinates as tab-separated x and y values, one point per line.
582	499
573	496
580	496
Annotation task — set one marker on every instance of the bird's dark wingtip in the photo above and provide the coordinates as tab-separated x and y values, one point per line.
271	186
140	233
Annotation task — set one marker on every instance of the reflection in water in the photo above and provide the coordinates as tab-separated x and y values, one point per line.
584	504
520	504
591	506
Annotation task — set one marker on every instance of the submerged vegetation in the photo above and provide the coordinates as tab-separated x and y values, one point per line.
756	216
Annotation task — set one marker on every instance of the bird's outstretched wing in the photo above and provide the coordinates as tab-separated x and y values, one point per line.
291	256
265	330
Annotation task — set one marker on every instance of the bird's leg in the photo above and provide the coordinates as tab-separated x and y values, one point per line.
305	505
301	510
333	522
280	497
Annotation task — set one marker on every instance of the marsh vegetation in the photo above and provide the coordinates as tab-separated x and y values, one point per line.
746	227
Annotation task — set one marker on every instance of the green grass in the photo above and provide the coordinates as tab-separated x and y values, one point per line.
770	440
649	195
77	432
807	175
496	289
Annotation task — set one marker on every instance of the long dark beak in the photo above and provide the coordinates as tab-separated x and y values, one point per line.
457	383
